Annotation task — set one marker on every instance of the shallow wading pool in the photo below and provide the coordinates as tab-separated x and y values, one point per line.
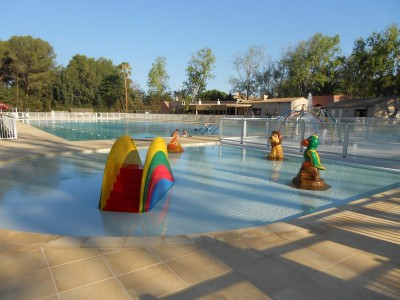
216	188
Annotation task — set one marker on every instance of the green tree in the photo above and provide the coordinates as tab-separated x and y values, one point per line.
81	83
158	84
198	71
158	77
3	58
372	68
312	65
137	96
355	75
248	67
214	95
384	60
265	78
111	92
5	90
28	64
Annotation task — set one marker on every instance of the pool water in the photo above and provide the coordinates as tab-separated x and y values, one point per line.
216	188
74	130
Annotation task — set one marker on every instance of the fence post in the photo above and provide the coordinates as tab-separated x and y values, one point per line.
15	129
346	139
220	129
244	124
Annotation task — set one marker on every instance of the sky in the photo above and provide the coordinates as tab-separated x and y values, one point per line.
138	32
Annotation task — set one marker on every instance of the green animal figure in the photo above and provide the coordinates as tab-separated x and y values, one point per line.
311	156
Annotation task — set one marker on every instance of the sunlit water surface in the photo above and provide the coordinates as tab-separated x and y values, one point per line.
216	188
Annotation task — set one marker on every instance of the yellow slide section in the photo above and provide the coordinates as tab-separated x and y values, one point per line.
123	152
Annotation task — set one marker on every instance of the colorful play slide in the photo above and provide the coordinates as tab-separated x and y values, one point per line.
129	186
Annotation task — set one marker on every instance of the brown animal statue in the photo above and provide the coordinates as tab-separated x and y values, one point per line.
276	145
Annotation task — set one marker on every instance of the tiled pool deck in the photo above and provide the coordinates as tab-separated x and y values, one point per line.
349	252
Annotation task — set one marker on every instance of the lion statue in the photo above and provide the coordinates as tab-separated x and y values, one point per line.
276	145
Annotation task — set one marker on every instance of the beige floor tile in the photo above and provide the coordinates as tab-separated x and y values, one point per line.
57	255
227	236
313	225
270	276
171	241
107	250
21	263
30	286
319	255
229	286
103	242
349	239
363	263
268	245
365	224
279	228
251	232
107	290
342	282
67	241
386	293
6	234
388	250
9	248
183	294
235	257
80	273
305	291
53	297
377	269
168	253
197	267
205	241
30	237
127	260
298	235
135	242
151	282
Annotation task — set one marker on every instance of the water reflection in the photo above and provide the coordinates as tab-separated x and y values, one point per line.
152	223
275	170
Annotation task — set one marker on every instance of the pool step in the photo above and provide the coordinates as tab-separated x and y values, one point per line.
125	195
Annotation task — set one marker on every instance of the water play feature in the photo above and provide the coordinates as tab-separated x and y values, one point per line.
309	120
276	152
308	176
130	186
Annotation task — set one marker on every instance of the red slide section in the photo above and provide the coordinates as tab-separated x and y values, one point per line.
125	194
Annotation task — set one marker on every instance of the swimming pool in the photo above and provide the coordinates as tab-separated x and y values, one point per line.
216	188
74	130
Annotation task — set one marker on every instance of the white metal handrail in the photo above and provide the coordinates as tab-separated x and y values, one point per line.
8	127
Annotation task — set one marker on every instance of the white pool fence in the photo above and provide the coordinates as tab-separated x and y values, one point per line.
370	137
356	138
8	127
